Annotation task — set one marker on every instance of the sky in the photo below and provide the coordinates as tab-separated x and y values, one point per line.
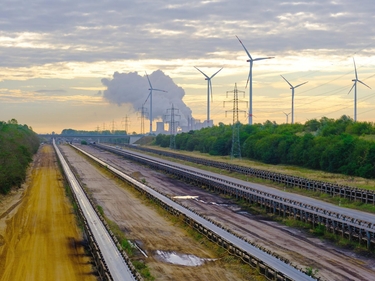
82	64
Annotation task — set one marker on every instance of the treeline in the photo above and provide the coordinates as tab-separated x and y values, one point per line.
337	146
18	143
68	132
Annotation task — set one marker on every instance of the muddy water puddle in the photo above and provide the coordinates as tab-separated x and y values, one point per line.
180	259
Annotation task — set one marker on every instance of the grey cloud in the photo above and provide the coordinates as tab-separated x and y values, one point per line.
131	88
113	30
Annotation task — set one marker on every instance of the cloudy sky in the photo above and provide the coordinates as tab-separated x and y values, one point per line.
82	64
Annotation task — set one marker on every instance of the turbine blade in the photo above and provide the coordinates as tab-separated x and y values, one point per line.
287	81
201	72
355	70
266	58
351	88
216	73
147	97
159	90
247	52
364	84
247	82
301	84
148	80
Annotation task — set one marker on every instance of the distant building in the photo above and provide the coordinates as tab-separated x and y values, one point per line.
160	128
193	124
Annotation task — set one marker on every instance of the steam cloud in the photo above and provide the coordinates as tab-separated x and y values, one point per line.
131	88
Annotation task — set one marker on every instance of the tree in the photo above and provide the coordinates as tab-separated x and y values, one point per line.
17	145
329	145
13	121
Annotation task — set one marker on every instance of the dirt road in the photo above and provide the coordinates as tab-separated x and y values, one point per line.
303	250
39	238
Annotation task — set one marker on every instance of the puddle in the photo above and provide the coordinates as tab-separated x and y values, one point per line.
186	197
180	259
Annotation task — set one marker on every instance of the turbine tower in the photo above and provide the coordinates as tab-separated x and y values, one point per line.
250	77
150	97
355	90
292	88
209	90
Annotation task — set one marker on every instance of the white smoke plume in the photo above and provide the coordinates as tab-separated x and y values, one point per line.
131	88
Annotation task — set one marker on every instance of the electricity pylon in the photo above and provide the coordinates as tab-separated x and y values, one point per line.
143	112
113	126
171	119
126	123
236	145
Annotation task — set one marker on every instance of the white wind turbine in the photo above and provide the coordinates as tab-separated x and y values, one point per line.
355	90
209	90
292	88
150	97
286	115
250	77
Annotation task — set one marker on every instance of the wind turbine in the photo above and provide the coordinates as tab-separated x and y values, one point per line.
209	90
287	115
251	61
355	90
150	96
292	88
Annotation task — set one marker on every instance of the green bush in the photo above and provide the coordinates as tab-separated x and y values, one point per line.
18	143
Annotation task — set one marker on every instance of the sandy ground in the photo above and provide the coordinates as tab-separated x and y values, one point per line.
150	230
39	238
301	249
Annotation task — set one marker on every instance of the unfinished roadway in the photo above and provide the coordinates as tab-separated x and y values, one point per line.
299	248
